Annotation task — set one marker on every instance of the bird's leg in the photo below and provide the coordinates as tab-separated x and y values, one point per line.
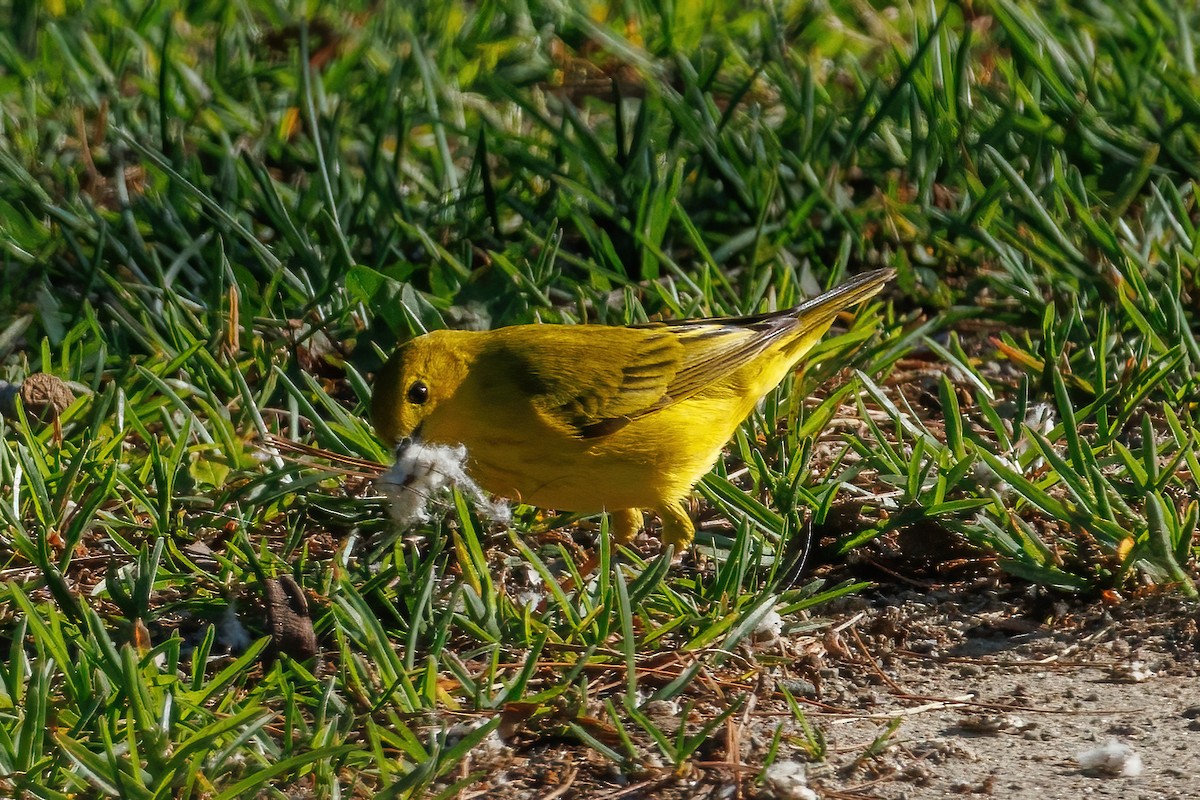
625	524
677	527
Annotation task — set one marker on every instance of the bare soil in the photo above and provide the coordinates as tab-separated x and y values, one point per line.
992	695
994	702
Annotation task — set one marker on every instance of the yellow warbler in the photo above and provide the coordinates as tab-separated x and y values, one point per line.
595	418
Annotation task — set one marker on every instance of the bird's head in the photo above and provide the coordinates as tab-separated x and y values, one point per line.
416	385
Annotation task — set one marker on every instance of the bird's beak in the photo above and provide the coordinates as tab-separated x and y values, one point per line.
402	446
407	442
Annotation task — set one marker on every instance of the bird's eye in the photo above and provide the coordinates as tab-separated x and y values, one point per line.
418	393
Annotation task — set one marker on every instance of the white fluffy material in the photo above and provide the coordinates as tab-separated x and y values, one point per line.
787	780
1114	758
422	476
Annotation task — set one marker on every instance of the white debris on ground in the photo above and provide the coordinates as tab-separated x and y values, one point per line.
490	745
1113	758
420	477
533	593
1131	672
787	780
1039	418
769	628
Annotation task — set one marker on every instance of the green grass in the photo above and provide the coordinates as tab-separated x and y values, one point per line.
216	223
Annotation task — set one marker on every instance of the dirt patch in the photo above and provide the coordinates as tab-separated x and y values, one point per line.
915	695
986	707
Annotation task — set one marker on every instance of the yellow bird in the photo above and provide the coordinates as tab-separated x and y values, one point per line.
594	418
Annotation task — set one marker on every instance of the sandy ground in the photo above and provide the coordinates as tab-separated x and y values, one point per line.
996	695
1019	722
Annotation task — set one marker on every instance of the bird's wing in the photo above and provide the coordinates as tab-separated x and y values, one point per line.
716	346
596	380
712	349
589	380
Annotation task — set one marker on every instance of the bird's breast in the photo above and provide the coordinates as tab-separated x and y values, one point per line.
653	459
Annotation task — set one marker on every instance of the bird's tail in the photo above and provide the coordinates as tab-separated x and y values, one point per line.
812	318
859	288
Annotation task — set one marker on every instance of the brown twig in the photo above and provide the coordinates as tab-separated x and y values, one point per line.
348	465
878	670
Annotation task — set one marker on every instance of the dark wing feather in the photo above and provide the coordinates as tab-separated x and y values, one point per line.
714	350
717	346
594	380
